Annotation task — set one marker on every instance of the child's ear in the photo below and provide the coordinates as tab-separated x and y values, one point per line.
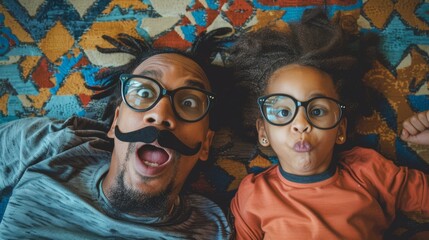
342	132
262	134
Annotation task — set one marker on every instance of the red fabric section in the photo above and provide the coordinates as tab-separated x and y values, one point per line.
42	75
239	12
173	40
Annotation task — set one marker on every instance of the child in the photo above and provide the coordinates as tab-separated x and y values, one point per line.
308	85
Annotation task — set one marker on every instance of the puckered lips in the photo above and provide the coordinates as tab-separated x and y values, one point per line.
302	146
151	160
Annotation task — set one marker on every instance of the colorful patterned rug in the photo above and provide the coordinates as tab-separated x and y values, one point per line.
48	55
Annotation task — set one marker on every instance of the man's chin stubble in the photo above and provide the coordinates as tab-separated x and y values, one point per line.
134	202
138	203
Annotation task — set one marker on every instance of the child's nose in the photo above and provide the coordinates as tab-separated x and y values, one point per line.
161	114
300	123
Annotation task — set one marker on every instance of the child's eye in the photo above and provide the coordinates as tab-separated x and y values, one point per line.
318	112
283	113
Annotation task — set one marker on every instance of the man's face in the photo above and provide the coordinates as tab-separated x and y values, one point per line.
145	174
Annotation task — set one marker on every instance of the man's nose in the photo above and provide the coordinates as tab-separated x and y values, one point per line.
161	114
300	123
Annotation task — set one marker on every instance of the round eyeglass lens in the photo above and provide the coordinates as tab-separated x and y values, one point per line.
141	93
279	109
190	104
323	112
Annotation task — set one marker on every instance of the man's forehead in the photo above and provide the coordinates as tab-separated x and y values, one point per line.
158	65
175	59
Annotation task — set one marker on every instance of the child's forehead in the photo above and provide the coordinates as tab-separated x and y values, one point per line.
301	81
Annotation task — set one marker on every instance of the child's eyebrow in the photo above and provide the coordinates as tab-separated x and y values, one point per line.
318	95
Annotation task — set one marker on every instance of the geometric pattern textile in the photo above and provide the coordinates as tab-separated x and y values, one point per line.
48	55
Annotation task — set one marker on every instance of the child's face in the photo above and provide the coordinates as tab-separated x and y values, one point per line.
302	149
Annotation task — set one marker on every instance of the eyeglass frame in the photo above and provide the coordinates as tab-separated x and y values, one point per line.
211	97
261	100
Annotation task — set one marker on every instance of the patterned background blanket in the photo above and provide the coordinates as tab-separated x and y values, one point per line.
48	54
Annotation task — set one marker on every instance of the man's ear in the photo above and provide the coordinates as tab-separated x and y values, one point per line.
262	134
342	132
111	132
204	153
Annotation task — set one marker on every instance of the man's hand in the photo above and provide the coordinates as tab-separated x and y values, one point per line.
416	129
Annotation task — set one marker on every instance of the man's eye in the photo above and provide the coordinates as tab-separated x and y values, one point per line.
190	103
145	93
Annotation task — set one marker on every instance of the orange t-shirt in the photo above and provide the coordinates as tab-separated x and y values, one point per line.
359	201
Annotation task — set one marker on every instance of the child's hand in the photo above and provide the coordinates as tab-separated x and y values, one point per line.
416	129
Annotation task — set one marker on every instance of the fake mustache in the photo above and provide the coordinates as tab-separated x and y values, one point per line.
165	139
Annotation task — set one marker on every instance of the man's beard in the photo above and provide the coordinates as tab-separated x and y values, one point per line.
137	203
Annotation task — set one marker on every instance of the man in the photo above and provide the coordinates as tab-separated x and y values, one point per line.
63	185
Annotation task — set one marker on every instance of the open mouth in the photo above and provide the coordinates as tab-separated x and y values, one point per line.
152	156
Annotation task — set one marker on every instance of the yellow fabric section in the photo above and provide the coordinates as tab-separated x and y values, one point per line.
56	42
74	84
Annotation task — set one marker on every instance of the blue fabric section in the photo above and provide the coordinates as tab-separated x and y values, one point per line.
3	203
397	37
60	107
422	11
212	4
407	157
12	74
15	107
200	17
222	178
189	32
419	102
6	37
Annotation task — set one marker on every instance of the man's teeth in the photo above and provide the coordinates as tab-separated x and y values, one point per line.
151	164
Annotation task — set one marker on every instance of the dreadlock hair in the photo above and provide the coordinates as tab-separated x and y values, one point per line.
201	52
315	42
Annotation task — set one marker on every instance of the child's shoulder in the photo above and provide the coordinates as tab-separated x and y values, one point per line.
255	185
261	177
361	155
360	160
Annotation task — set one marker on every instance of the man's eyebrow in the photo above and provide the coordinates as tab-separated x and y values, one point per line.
158	75
152	73
194	83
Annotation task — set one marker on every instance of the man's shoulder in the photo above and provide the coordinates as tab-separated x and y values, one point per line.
31	124
201	202
208	216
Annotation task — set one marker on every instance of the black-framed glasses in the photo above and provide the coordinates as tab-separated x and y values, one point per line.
281	109
142	93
